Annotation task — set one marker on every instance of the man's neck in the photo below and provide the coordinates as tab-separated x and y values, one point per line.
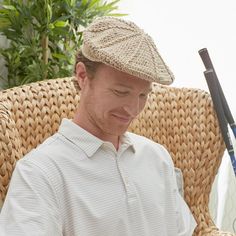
114	139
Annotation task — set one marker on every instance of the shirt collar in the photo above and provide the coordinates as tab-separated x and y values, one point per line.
127	141
85	140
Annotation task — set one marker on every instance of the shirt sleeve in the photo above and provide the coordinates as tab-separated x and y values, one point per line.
184	218
186	222
31	204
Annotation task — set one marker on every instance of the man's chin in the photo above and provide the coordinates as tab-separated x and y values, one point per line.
118	131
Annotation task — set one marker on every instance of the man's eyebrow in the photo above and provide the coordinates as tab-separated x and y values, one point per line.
129	87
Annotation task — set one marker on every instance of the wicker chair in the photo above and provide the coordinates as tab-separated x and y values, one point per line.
181	119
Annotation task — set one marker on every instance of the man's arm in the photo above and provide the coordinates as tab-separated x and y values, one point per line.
31	204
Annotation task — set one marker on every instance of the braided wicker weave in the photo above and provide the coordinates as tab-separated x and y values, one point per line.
181	119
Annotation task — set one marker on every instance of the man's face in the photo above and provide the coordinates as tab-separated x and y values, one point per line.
111	100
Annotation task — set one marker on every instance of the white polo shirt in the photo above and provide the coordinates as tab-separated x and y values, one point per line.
75	184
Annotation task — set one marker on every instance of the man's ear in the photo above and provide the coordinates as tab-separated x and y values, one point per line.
81	74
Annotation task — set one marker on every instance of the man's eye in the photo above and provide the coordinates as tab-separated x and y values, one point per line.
143	95
120	93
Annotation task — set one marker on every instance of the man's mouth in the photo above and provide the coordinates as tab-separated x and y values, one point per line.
123	119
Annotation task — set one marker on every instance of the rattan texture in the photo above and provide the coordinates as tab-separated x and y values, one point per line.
181	119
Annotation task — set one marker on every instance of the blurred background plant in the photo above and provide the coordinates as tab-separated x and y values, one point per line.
44	35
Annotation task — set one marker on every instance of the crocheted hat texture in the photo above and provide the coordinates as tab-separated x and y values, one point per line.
124	46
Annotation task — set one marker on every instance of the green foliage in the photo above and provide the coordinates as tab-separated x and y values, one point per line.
45	35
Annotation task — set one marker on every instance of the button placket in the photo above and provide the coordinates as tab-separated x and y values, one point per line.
125	178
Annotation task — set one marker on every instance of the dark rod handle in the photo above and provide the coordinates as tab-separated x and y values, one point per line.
213	88
208	65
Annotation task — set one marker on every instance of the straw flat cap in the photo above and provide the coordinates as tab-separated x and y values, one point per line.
124	46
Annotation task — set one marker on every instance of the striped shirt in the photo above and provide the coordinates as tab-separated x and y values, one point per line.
75	184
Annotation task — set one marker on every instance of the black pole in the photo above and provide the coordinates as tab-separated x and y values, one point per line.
214	91
208	65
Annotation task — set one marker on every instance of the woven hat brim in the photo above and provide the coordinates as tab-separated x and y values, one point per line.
125	47
164	77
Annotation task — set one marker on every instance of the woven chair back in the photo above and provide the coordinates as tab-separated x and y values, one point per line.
181	119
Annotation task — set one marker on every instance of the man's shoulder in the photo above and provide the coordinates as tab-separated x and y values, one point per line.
54	149
51	143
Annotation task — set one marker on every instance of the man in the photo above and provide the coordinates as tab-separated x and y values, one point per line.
92	178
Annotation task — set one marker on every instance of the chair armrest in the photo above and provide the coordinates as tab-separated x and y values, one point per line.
10	147
212	231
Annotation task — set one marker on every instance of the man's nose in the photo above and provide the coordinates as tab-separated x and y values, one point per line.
132	107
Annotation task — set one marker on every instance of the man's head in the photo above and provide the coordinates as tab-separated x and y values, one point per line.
114	70
124	46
